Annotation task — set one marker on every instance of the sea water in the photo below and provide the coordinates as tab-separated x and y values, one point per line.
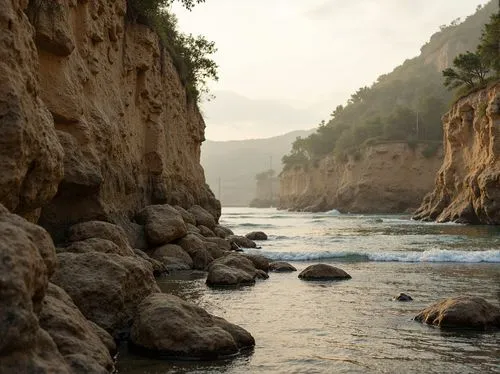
352	326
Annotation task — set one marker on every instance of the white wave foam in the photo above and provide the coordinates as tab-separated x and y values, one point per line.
434	255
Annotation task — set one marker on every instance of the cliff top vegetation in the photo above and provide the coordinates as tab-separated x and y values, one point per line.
404	105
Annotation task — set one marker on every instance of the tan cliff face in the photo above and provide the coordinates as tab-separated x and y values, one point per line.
389	177
97	96
467	186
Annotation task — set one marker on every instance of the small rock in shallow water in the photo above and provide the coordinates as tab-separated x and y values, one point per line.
461	312
323	272
281	267
403	297
256	235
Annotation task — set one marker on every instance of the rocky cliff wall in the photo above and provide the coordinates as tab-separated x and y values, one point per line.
96	123
467	186
390	177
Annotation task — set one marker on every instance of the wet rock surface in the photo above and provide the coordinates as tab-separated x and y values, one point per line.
323	272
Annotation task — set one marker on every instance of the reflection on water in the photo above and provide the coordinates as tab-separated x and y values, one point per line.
352	326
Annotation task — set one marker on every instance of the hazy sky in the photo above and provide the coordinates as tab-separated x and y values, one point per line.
305	56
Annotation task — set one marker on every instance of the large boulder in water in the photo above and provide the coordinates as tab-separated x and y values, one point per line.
233	270
461	312
167	326
162	224
256	235
323	272
259	261
106	287
241	241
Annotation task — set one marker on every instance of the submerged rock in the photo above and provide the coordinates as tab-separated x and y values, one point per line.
323	272
169	327
256	235
281	267
403	297
461	312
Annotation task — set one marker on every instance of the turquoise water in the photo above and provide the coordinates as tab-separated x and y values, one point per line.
352	326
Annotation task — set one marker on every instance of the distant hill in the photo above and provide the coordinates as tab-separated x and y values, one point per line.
237	162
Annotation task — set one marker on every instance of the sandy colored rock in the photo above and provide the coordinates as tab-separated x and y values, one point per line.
281	267
467	187
102	230
323	272
241	241
173	257
73	334
256	235
386	178
162	224
202	217
233	270
222	231
197	250
167	326
105	287
32	158
27	259
462	312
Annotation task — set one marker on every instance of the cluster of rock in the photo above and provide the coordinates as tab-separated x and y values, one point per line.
63	308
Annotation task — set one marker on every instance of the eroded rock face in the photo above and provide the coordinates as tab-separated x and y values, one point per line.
105	287
31	156
173	328
467	187
462	312
386	178
323	272
27	259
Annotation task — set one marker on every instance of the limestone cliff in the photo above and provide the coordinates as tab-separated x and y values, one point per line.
385	178
95	121
467	187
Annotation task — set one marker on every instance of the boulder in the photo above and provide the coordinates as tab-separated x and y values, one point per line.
462	312
102	230
96	245
241	241
222	231
197	249
186	216
256	235
233	270
28	259
192	229
323	272
281	267
221	243
158	267
105	287
162	224
73	334
215	251
202	217
403	297
259	261
167	326
135	234
205	231
173	257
